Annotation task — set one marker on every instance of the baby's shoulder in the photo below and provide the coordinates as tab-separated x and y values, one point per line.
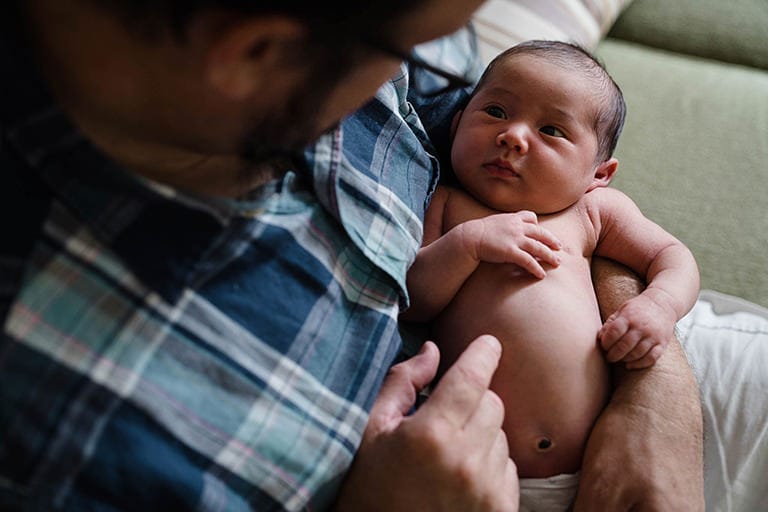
451	194
605	202
591	214
605	197
461	206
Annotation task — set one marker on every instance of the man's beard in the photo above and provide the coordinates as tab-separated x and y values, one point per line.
278	141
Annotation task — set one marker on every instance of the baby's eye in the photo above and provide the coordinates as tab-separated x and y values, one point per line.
494	111
551	131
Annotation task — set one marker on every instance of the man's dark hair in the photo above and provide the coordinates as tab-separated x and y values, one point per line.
332	19
609	120
340	34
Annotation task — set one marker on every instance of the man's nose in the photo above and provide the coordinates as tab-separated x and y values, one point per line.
515	137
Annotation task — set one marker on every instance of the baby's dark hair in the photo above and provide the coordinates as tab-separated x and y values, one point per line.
609	120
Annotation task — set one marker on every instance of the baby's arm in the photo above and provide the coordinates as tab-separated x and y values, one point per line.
639	330
448	257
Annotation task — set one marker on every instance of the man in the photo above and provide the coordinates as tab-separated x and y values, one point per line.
196	315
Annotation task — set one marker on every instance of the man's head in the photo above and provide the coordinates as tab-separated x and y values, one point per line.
222	77
539	129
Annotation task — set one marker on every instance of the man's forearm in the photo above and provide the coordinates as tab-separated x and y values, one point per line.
668	396
614	284
646	448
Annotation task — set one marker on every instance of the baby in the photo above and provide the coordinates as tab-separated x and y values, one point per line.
509	252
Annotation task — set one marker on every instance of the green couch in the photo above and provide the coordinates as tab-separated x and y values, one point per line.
694	152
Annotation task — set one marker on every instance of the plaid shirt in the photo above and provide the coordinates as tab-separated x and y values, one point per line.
164	351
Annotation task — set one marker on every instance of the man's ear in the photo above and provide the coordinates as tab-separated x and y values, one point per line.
604	173
245	53
455	123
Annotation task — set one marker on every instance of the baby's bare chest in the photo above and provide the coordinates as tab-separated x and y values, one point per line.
507	295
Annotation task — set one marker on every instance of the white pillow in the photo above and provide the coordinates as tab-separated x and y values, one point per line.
726	339
504	23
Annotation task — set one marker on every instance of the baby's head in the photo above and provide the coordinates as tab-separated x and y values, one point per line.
539	130
609	118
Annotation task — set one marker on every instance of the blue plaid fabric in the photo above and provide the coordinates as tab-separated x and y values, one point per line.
162	351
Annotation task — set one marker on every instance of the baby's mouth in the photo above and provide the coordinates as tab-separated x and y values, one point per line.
501	168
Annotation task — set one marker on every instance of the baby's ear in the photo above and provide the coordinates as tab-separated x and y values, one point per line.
604	173
455	123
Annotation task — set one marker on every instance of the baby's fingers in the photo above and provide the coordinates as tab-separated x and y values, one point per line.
533	230
529	263
622	347
648	360
617	339
613	329
642	349
541	252
545	236
645	354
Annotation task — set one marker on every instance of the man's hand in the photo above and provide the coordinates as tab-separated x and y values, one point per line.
450	455
645	451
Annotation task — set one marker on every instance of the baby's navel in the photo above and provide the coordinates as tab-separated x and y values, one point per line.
544	444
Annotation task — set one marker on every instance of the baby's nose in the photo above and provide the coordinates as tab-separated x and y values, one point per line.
513	137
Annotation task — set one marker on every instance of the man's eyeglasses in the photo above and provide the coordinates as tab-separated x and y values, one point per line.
426	79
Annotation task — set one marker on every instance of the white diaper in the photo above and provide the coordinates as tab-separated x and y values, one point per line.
553	494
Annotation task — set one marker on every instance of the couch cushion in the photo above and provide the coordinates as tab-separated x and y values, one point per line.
694	156
504	23
734	31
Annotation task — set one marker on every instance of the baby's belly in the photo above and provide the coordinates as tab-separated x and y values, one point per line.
552	376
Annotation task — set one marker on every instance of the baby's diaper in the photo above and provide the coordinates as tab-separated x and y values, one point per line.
553	494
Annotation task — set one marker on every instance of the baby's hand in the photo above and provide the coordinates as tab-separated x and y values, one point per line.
637	332
512	238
